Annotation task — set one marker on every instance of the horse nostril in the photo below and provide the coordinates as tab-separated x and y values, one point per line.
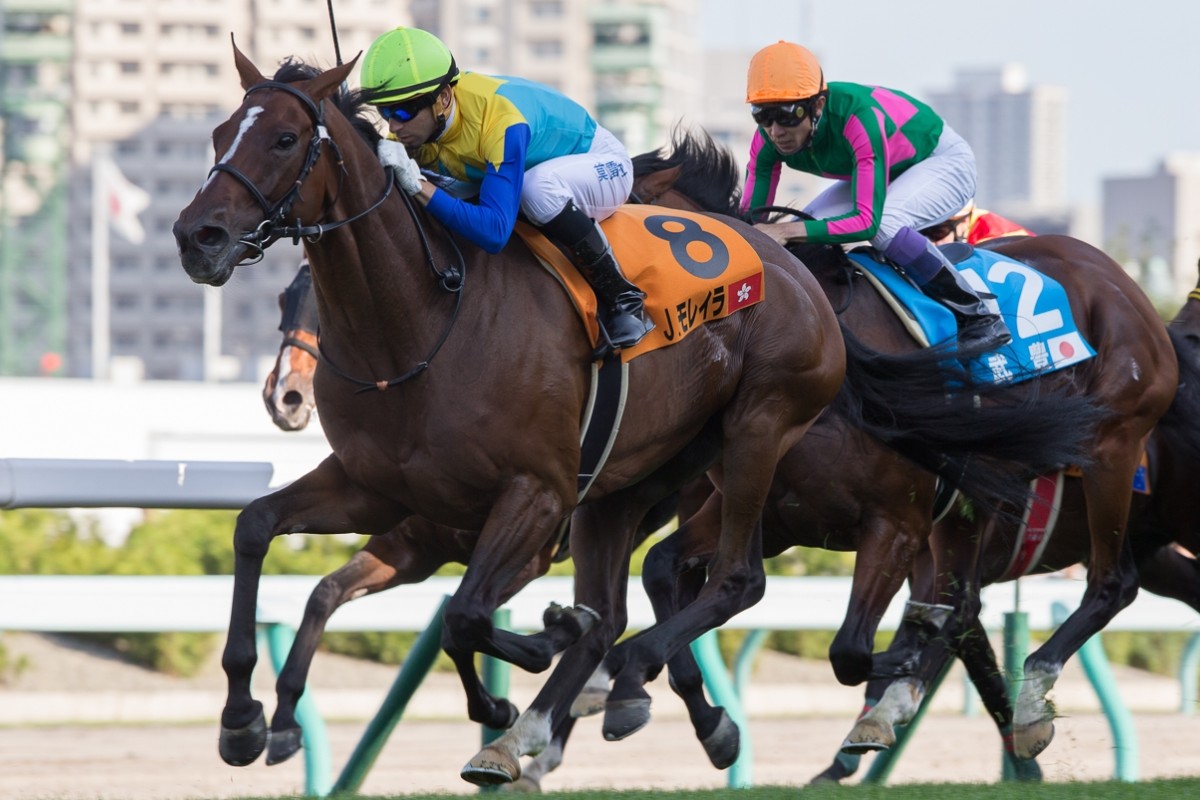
210	236
292	399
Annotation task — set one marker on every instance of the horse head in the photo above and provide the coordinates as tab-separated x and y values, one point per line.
268	172
288	391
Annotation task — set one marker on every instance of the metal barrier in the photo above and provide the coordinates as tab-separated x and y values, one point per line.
201	603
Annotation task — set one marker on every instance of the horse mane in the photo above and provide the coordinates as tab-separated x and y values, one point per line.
350	103
709	174
1180	420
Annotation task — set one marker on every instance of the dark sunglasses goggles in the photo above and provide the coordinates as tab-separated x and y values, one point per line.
788	115
406	111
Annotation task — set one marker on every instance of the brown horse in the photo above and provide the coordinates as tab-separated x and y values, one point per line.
1158	521
452	441
288	391
480	428
1133	377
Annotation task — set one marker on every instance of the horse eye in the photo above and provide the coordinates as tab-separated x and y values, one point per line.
286	141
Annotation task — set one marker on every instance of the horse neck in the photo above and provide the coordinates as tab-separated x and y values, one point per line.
375	295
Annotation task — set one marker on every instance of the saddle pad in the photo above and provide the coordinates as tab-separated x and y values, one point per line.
1034	306
693	269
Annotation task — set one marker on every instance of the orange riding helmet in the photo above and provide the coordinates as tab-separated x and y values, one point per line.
783	72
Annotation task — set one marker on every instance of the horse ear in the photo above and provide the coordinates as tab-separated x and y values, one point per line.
656	184
246	69
328	81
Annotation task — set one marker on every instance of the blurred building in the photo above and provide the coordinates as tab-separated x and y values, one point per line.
1018	133
1151	224
146	81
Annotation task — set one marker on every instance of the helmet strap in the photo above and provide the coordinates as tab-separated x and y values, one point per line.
442	118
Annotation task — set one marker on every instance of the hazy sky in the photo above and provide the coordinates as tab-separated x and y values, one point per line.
1131	68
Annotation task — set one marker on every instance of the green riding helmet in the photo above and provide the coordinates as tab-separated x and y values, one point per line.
406	63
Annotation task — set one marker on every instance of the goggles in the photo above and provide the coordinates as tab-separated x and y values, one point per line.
788	115
406	111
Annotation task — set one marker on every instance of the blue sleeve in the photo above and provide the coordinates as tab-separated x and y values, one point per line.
490	222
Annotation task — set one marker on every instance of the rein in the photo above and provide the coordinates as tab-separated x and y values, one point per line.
849	271
274	225
273	228
451	279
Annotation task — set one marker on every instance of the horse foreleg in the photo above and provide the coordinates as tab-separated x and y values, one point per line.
886	553
601	548
314	502
521	524
409	553
546	761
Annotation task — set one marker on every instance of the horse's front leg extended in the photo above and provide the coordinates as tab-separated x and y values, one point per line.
409	553
314	503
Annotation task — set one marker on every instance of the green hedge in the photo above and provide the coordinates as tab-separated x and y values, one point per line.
40	542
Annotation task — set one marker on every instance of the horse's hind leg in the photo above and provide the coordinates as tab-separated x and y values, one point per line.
315	502
1112	585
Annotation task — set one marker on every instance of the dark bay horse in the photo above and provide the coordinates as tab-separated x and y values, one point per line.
479	428
1133	377
448	389
1157	522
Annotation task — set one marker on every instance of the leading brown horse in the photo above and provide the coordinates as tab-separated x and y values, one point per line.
453	392
1133	377
480	427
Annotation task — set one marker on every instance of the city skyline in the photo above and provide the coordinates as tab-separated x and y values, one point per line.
1132	96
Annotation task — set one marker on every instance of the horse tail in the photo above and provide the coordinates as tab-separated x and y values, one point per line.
987	439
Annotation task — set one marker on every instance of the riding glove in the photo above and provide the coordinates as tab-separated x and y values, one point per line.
408	174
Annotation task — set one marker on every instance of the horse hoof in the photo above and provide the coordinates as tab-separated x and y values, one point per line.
1030	740
241	746
625	717
869	736
283	745
723	744
490	767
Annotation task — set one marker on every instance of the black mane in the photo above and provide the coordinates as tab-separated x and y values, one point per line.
709	176
350	104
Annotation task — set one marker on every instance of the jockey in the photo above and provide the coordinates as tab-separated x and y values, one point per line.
974	225
519	145
900	168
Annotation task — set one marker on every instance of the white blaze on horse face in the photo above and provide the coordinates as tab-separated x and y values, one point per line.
251	114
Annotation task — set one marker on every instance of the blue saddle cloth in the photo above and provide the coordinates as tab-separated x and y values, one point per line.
1034	306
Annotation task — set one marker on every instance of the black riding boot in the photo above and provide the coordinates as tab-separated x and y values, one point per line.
978	327
592	256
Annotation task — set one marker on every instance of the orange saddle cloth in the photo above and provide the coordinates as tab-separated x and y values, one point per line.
692	268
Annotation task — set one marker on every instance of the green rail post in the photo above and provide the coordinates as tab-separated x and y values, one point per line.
318	763
1189	671
496	674
1016	649
885	760
416	666
1120	721
721	687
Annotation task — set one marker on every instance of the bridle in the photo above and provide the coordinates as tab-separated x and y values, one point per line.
274	225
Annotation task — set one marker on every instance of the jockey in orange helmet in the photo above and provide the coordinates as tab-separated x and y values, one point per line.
899	168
